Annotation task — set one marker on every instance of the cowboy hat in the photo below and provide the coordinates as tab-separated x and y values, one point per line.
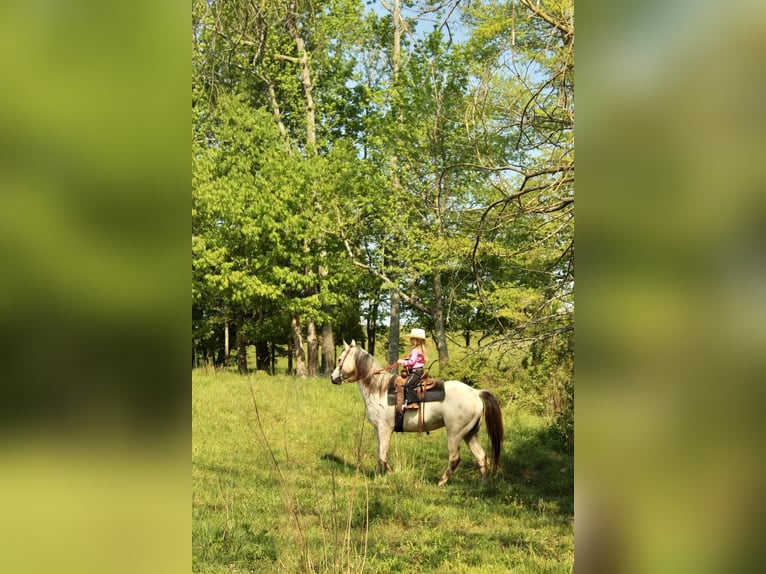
417	334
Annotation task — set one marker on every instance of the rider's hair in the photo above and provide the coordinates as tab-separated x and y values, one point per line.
421	344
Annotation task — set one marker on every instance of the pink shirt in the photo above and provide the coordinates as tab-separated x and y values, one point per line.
415	360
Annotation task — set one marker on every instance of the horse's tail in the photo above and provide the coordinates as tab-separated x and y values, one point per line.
495	429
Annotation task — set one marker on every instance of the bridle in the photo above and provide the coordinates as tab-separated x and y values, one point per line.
343	357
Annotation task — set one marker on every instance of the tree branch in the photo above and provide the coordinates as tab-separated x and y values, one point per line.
566	30
411	299
292	59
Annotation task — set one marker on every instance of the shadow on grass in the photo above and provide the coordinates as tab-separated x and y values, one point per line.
536	470
224	471
540	469
345	467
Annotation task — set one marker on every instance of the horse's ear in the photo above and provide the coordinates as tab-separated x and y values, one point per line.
353	343
345	345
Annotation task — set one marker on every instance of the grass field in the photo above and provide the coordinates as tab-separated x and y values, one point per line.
283	473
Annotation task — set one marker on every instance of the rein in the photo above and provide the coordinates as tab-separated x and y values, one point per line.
384	369
360	377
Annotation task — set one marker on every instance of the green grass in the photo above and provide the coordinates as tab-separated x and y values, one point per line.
284	480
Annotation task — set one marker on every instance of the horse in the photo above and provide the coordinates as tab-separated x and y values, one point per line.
460	412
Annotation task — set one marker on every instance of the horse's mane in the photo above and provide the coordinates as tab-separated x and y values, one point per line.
367	368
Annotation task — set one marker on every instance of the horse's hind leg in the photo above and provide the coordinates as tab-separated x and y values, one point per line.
453	444
481	457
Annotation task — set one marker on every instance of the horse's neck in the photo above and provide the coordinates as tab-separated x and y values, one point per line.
374	385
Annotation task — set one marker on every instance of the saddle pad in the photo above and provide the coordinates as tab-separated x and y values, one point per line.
435	394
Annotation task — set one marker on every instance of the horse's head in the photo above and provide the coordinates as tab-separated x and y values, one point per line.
346	364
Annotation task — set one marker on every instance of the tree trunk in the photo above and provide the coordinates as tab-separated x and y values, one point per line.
393	328
277	113
372	321
298	352
328	350
397	21
226	343
311	138
328	339
313	344
305	75
441	336
262	356
241	352
308	94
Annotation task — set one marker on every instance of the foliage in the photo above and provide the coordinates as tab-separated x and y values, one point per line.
546	383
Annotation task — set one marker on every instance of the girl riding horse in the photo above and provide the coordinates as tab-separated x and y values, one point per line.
414	363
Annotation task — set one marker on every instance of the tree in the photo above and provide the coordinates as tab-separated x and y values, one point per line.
426	206
248	48
526	103
523	249
232	217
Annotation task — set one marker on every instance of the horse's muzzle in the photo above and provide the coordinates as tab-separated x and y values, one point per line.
336	380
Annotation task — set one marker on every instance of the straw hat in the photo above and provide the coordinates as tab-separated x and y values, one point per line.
417	334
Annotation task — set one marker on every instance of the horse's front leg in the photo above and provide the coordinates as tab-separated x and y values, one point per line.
384	441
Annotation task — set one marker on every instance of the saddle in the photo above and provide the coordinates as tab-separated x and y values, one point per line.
427	390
